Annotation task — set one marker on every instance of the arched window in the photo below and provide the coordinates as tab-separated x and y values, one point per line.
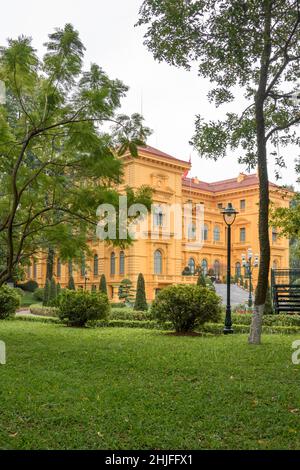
204	267
157	262
82	267
217	268
216	234
274	235
112	263
238	270
58	267
192	231
122	262
96	265
191	265
205	232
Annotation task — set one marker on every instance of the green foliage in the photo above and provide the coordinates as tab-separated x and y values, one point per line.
53	139
58	289
39	294
186	306
29	286
209	284
140	299
43	311
201	280
9	301
227	40
79	307
129	314
126	291
102	285
52	293
46	292
71	283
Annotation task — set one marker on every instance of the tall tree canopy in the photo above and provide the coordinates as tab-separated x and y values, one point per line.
57	160
252	45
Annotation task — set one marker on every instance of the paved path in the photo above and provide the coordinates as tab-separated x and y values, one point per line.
237	294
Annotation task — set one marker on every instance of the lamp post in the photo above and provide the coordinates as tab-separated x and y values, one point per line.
249	266
229	215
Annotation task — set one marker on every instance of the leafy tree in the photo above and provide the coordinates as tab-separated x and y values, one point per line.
46	292
253	46
102	285
71	283
140	299
58	164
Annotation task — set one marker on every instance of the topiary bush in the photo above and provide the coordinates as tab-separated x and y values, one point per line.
201	280
43	311
46	292
102	284
29	286
71	283
140	299
9	301
39	294
186	306
79	307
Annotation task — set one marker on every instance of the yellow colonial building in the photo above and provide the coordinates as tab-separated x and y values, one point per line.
161	254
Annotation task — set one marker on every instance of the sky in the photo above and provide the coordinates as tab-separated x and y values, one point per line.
168	98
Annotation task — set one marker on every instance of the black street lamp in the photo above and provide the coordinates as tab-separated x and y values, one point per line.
229	215
249	266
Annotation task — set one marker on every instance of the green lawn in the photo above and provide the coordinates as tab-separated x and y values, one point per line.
113	388
28	299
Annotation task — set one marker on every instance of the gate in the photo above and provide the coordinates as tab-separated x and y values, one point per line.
285	285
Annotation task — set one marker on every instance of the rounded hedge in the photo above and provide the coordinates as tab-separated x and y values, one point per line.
79	307
9	301
186	306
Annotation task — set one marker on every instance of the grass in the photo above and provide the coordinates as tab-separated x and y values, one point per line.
28	299
113	388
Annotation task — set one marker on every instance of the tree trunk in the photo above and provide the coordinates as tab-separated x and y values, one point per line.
263	220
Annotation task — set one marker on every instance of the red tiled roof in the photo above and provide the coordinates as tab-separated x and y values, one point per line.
217	186
153	151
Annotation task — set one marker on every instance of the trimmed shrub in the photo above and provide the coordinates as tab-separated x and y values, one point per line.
43	311
79	307
39	294
46	292
209	284
102	285
201	280
29	286
71	283
52	292
9	301
129	314
58	289
118	305
186	306
140	300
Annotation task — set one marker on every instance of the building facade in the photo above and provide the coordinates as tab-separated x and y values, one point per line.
162	254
